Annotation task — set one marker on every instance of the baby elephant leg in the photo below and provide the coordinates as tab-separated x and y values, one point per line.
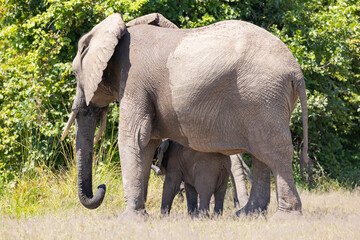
170	189
192	199
205	190
219	198
205	198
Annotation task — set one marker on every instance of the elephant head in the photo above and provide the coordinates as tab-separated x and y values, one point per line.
91	102
95	90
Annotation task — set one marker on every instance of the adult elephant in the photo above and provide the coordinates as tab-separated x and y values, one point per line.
229	87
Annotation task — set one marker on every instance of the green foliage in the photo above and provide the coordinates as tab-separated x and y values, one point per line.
326	42
38	41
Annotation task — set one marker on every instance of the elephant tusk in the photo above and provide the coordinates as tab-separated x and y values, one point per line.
69	123
102	127
156	169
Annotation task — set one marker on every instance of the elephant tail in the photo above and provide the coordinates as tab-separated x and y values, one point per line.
304	158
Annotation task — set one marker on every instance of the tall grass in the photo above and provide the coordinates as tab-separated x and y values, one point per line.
41	191
44	187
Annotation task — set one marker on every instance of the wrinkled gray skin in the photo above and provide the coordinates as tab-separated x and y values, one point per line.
228	88
204	174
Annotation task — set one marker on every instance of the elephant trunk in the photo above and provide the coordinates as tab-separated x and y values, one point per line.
85	128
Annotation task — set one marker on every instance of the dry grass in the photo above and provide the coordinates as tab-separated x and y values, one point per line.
44	205
326	215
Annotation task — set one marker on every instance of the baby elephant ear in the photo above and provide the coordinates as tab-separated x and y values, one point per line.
153	19
95	50
162	150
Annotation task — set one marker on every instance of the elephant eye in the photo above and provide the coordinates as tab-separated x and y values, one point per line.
84	48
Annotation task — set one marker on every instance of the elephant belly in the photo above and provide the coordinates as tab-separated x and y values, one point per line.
214	125
210	133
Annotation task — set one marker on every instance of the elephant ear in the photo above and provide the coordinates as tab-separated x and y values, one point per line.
155	19
95	50
162	151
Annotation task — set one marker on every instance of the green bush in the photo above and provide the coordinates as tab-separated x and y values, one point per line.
38	41
324	36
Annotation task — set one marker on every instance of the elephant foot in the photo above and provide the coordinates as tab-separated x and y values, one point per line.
134	215
251	211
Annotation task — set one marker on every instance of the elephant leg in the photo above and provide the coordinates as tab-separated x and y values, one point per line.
152	146
170	189
205	183
136	154
238	181
286	193
135	167
219	198
205	190
191	199
260	190
204	204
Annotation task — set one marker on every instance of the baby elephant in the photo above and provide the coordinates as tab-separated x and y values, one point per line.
204	174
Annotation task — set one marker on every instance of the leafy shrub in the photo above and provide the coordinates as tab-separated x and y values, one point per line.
326	42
